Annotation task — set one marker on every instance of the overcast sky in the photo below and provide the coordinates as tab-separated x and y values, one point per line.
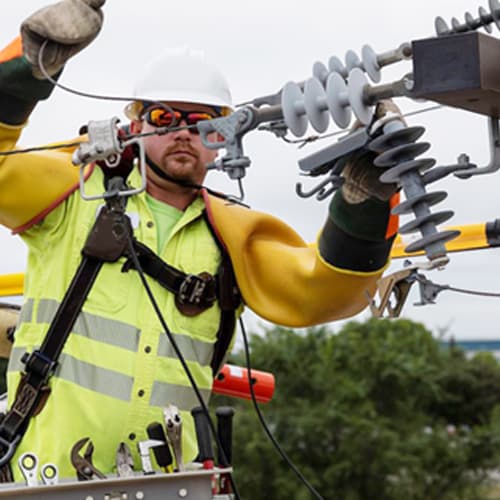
260	46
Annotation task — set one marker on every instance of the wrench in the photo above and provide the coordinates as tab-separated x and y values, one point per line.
49	474
28	463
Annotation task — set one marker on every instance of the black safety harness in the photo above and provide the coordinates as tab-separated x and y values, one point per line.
108	241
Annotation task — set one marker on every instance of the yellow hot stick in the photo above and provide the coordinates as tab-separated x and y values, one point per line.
11	284
472	237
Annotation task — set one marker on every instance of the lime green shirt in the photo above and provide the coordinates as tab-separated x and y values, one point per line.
166	217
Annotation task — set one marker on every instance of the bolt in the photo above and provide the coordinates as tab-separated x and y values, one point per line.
408	83
183	492
89	498
139	495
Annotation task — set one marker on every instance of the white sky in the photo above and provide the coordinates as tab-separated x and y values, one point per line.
260	46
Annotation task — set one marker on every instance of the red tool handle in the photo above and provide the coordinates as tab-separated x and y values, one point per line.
233	381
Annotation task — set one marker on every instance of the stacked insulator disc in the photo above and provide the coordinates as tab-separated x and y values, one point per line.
369	62
471	23
315	104
398	152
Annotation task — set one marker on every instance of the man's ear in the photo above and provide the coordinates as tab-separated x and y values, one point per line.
136	126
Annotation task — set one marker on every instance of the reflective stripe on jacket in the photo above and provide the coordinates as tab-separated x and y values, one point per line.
118	368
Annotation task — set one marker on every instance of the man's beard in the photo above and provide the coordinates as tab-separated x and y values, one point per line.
186	179
179	166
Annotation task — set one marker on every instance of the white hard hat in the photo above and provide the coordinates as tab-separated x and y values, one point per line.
181	75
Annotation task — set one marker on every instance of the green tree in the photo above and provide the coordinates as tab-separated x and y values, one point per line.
365	414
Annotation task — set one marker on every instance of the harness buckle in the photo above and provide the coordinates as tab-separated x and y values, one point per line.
37	363
197	289
196	293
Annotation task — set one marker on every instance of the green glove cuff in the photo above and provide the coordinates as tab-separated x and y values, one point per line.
354	236
20	90
367	220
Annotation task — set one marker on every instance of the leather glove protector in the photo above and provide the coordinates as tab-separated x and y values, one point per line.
361	177
360	229
69	26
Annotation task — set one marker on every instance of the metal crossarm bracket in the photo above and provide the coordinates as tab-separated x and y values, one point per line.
232	128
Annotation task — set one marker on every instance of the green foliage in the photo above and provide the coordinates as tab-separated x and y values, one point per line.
366	414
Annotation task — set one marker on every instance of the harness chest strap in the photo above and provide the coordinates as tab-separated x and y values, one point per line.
193	293
196	293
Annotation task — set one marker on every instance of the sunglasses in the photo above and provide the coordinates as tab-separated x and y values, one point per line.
164	117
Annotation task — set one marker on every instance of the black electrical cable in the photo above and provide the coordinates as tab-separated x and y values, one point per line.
167	130
163	130
178	352
313	138
41	148
270	435
88	95
472	292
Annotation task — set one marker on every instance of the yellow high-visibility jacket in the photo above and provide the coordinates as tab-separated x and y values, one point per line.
117	369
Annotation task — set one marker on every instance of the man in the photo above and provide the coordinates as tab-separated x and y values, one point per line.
117	370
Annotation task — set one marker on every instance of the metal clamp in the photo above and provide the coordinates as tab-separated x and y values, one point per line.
397	286
494	164
232	128
104	144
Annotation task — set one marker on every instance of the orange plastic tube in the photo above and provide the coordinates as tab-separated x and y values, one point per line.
233	381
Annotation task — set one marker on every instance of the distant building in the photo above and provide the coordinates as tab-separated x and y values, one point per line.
472	347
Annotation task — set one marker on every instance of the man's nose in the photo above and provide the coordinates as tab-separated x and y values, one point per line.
182	132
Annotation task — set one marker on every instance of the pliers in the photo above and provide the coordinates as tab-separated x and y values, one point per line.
124	461
85	470
173	425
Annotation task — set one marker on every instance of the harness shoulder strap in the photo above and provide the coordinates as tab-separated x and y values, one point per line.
229	301
40	365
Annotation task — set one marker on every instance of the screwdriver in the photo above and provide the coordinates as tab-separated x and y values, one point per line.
162	453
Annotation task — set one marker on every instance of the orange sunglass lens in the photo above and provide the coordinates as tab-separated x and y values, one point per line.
193	118
161	117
